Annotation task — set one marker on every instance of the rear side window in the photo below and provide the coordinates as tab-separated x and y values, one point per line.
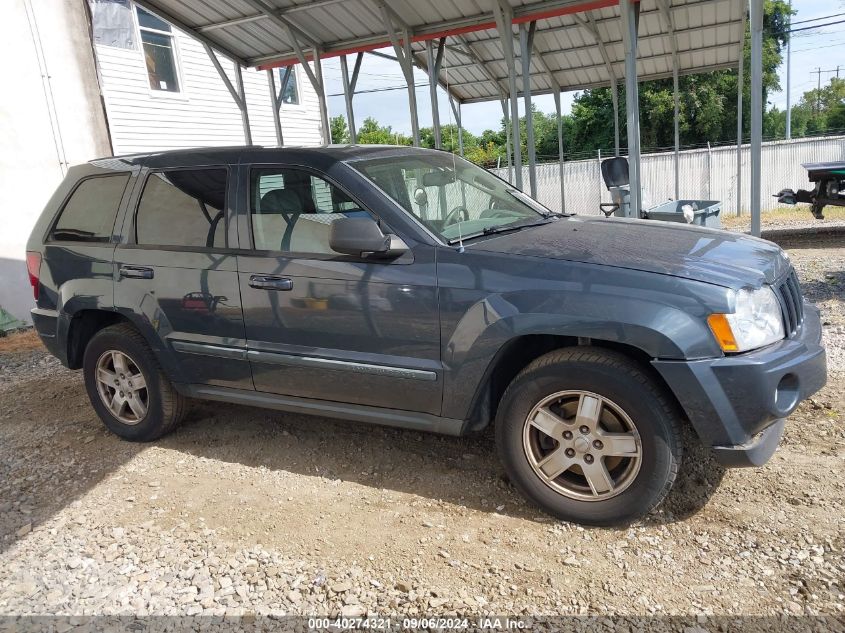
88	215
183	207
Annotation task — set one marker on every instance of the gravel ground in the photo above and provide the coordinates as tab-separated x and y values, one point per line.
245	511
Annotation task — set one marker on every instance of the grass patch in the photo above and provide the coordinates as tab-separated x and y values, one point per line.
782	216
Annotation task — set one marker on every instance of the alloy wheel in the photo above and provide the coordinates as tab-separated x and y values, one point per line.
122	387
582	445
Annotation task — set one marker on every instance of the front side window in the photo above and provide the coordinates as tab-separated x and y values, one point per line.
159	51
292	210
451	196
183	207
290	89
88	215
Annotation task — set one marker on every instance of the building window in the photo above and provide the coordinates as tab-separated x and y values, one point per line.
159	51
111	23
290	92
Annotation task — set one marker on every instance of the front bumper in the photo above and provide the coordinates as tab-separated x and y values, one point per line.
737	404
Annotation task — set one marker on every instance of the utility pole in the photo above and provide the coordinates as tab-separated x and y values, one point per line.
789	77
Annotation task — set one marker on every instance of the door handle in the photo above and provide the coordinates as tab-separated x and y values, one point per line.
135	272
270	282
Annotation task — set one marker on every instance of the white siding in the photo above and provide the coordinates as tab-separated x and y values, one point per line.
203	113
50	117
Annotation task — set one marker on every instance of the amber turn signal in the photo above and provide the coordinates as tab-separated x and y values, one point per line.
722	331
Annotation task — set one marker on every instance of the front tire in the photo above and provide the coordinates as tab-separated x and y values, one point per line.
589	436
127	387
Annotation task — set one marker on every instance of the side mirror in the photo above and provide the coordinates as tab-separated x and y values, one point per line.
362	236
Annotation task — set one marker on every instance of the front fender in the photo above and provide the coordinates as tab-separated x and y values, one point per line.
665	317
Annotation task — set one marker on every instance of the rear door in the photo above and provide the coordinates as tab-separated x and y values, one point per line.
176	272
328	326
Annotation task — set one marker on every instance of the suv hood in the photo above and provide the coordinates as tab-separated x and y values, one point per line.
728	259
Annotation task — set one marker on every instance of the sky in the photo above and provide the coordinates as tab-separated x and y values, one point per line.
811	49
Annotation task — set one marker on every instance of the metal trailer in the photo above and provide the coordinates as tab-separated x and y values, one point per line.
829	189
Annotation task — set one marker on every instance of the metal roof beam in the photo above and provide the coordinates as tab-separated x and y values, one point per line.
483	67
615	20
315	4
479	22
602	65
589	25
602	84
285	23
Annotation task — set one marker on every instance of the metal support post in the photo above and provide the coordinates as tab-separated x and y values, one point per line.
614	87
507	139
630	20
756	17
504	20
238	94
435	60
349	92
740	91
456	110
556	95
402	50
526	45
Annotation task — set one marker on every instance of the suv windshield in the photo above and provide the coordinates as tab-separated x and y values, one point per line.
452	197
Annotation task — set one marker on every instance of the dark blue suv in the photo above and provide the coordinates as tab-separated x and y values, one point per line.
411	288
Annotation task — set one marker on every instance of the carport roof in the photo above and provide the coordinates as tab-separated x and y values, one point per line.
578	43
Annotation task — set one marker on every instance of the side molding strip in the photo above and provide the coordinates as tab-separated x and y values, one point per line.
203	349
327	363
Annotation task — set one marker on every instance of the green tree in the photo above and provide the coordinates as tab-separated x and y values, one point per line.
339	130
707	103
820	109
371	133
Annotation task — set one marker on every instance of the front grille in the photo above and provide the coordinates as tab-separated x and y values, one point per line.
792	303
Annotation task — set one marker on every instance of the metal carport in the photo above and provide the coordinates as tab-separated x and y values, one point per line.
470	49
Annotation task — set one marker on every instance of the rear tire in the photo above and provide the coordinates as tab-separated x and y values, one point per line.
127	387
589	436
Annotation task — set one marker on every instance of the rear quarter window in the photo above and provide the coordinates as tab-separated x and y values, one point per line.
89	213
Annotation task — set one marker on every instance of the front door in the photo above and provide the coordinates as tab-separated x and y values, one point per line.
327	326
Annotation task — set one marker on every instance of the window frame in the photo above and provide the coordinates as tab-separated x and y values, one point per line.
49	239
180	94
133	16
132	233
251	167
294	77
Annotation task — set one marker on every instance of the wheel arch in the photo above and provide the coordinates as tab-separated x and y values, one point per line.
520	351
82	326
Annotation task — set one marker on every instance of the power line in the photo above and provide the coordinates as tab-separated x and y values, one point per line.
824	17
385	89
806	28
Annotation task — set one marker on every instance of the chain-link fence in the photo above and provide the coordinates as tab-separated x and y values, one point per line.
704	174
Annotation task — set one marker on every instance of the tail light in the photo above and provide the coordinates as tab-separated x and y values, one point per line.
33	267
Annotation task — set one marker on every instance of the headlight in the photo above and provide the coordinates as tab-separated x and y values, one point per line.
756	321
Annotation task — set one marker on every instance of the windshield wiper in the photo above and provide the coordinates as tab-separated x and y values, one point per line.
492	230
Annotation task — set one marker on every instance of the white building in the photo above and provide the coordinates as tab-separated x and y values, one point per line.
162	91
139	86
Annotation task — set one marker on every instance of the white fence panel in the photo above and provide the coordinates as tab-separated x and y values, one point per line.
703	175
